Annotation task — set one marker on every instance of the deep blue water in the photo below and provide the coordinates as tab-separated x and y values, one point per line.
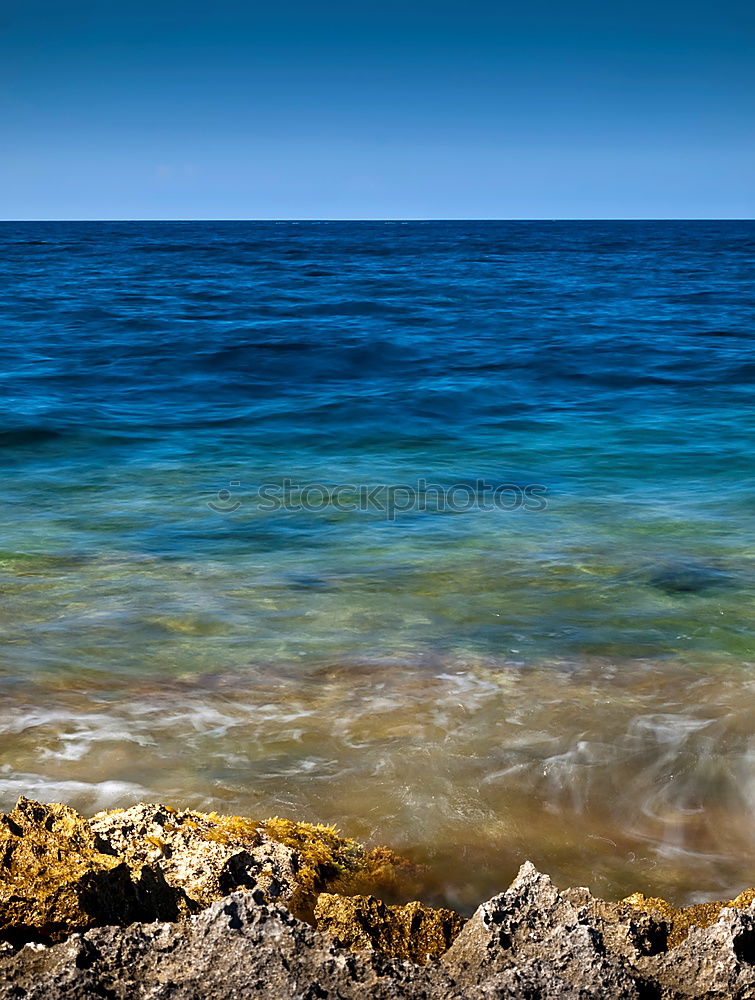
373	334
147	367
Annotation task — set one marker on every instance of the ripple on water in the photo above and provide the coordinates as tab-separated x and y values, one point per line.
617	774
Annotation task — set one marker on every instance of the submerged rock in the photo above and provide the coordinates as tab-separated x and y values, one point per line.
688	578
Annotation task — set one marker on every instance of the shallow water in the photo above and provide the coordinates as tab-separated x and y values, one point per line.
570	682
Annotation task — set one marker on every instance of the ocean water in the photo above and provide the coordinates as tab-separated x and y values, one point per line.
443	532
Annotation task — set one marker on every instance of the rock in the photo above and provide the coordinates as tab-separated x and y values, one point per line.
716	962
364	923
60	873
57	876
533	937
682	919
532	942
688	577
134	870
329	862
239	947
207	856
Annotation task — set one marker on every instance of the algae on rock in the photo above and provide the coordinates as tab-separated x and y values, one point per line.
61	873
209	855
412	930
329	862
206	855
682	919
58	876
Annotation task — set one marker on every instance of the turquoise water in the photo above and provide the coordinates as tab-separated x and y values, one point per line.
570	680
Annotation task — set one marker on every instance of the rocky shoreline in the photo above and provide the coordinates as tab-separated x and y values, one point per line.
150	902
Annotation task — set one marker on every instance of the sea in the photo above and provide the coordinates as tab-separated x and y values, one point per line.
443	532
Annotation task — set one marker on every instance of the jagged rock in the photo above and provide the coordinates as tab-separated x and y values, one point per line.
207	856
60	873
532	937
238	947
57	875
530	943
682	919
364	923
716	962
625	930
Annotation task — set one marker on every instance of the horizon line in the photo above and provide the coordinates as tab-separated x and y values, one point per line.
389	220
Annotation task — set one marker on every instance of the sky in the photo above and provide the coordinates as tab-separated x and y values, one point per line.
377	109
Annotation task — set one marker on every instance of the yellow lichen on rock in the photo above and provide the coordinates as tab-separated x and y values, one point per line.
412	930
57	876
204	854
682	919
60	872
209	855
324	856
743	900
234	827
329	862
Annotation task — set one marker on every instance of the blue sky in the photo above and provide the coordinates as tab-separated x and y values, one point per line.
377	109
